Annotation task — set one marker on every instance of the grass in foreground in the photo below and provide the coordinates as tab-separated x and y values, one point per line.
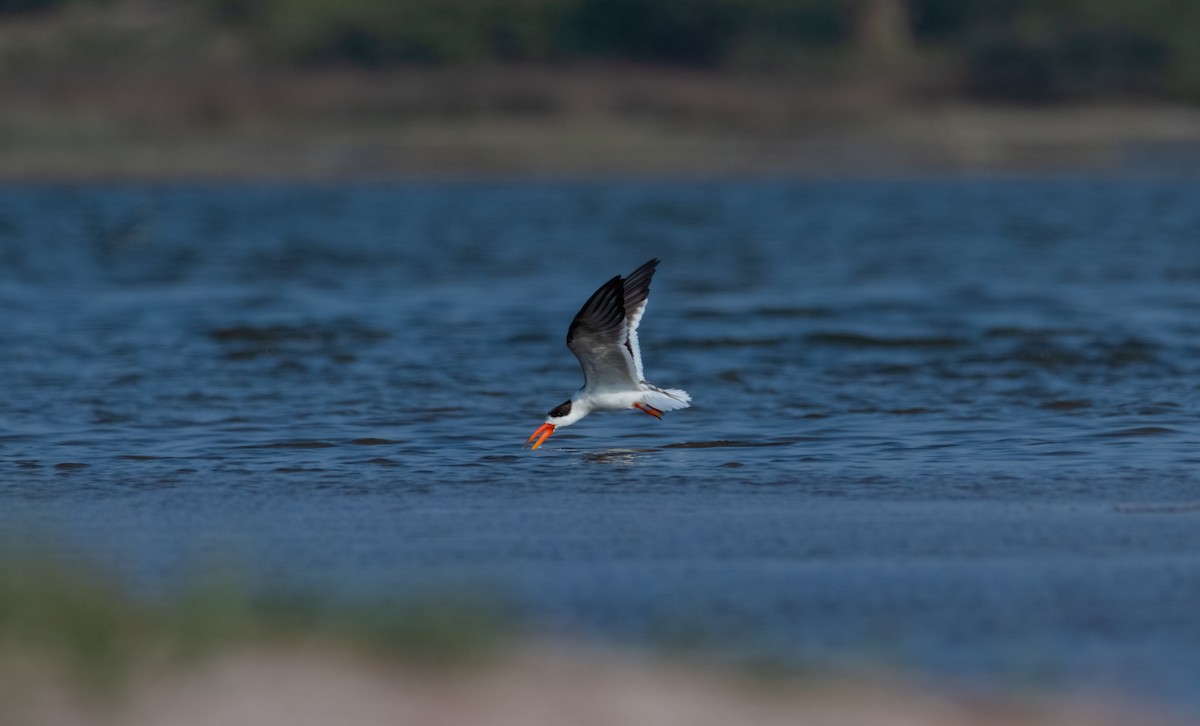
81	622
76	649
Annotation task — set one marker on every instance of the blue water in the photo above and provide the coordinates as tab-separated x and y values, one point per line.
947	425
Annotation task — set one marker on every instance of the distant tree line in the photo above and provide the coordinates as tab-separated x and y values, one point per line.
1029	50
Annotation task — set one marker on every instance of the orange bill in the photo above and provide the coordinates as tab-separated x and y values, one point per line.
543	432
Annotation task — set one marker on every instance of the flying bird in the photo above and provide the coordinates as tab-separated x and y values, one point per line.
603	336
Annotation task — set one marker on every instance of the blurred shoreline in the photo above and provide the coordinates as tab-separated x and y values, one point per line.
382	89
76	648
319	683
535	121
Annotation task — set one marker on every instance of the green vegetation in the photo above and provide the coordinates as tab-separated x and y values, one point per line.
99	634
1024	50
16	7
322	89
1061	49
704	33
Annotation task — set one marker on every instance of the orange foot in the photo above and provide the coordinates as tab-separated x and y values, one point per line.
646	408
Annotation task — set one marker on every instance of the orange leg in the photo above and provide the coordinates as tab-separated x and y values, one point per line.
645	408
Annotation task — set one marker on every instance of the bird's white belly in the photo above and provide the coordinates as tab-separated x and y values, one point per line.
614	400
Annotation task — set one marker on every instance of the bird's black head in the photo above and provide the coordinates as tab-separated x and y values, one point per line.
560	410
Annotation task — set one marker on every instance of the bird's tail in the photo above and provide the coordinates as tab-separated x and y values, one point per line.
667	399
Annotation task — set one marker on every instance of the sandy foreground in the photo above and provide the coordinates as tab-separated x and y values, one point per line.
318	686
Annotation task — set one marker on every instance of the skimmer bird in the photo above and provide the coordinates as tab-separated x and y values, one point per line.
603	336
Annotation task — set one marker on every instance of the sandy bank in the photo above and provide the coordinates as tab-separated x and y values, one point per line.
301	686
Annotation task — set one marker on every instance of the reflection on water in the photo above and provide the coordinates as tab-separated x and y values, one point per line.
954	421
615	456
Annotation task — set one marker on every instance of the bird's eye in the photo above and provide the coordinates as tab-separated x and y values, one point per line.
561	410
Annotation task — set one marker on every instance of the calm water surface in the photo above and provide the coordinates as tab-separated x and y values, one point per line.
949	425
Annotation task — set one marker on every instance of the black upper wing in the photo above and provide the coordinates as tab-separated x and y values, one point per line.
602	317
637	290
597	337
